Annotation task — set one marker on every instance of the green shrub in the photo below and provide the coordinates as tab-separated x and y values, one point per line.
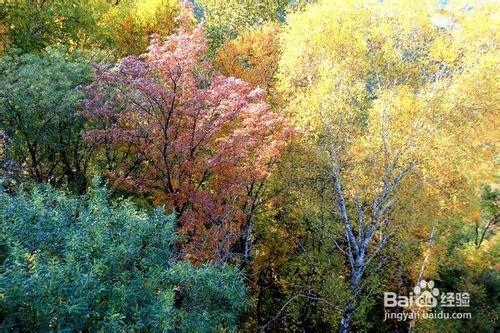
82	263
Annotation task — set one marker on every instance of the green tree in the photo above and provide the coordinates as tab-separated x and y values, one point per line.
120	27
40	96
86	264
225	20
32	25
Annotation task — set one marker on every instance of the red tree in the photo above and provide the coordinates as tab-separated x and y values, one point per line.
200	143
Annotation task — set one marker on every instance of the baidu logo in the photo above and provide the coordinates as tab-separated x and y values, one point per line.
426	295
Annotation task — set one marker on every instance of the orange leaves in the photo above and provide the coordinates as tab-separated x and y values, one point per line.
199	141
252	56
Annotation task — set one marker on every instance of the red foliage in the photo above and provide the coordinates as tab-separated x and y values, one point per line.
194	140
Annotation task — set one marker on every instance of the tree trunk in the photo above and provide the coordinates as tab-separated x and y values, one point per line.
346	319
355	284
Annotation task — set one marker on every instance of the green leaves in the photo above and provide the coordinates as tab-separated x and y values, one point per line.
33	25
83	263
40	96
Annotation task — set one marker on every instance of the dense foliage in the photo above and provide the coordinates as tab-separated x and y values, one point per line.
33	25
40	96
315	154
84	263
119	27
193	140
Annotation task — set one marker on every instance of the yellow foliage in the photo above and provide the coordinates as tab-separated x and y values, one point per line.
226	19
398	81
252	56
130	24
476	260
370	70
4	40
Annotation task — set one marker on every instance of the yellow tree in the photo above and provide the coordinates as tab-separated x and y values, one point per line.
373	86
253	56
130	24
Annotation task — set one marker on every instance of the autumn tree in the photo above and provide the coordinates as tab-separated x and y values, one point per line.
252	56
194	140
117	27
372	86
129	24
226	20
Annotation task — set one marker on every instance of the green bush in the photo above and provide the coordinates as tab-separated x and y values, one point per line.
82	263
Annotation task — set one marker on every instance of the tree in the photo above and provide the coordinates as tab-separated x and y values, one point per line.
226	20
252	56
86	264
489	217
372	86
465	267
32	25
199	142
118	27
40	97
130	24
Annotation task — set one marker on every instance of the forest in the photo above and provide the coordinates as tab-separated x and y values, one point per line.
249	166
